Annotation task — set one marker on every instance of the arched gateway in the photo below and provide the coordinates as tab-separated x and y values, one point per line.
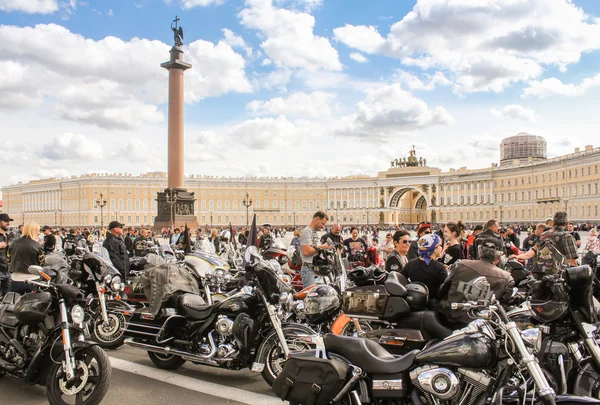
408	205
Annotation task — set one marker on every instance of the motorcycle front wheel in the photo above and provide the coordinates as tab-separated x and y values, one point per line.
166	361
111	334
586	380
90	385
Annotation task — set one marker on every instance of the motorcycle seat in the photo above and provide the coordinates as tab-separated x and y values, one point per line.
368	355
429	322
194	307
9	301
394	286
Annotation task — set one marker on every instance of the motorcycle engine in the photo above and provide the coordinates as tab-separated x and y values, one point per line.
224	326
442	385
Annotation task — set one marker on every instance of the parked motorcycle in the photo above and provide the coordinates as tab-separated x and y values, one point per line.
490	361
243	330
103	287
33	325
276	250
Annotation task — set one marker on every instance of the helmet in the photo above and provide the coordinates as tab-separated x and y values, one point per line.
417	296
225	235
360	275
323	262
548	311
321	304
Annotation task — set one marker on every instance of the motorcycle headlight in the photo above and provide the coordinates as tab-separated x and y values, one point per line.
532	338
107	279
77	314
219	275
116	283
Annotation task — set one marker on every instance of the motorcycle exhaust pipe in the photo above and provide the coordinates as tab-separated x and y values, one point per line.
207	358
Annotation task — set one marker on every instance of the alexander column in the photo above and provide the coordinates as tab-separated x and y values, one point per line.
176	204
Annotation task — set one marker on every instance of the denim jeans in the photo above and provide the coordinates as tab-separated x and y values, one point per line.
308	275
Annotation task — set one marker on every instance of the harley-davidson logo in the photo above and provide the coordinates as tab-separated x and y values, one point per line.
235	307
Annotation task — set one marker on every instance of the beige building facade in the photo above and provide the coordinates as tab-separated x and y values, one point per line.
517	191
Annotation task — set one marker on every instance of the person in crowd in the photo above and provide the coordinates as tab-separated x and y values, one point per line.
215	240
426	268
22	253
461	285
471	239
140	243
18	232
296	239
512	236
309	243
59	240
564	241
424	228
397	259
49	240
91	239
574	234
387	246
593	243
116	247
243	236
5	241
128	238
490	230
334	235
532	240
452	249
175	237
549	222
266	239
355	246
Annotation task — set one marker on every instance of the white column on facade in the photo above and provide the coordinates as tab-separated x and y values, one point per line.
385	197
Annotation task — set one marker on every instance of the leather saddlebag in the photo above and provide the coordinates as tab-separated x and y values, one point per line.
309	380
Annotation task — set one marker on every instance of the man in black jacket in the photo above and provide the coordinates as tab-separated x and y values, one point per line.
4	244
116	247
491	231
49	240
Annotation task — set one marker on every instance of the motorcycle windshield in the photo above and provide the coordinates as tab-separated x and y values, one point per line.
271	284
277	243
100	251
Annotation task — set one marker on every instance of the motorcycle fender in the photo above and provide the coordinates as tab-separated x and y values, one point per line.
290	329
575	399
340	323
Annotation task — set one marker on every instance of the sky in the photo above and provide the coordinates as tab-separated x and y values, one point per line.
313	88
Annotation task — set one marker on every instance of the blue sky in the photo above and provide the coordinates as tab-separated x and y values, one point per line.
293	87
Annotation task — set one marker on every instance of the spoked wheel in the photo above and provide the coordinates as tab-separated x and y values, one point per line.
275	359
111	334
90	384
351	330
166	361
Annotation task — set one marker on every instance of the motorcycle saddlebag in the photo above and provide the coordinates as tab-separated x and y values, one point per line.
309	380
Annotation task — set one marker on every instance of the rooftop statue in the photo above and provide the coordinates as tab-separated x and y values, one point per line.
177	32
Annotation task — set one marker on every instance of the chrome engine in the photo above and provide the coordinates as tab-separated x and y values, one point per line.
224	326
441	385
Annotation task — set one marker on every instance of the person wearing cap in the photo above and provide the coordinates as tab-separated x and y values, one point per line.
116	247
426	269
5	221
22	253
49	240
460	286
424	228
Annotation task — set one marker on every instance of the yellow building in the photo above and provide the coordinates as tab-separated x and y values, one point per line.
524	188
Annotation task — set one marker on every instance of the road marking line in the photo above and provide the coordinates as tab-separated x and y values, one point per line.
205	387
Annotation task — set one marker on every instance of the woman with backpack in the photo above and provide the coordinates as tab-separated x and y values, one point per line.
453	248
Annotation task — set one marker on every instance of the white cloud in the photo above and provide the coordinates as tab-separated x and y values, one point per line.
358	57
413	82
266	62
315	104
109	82
289	39
389	109
268	133
275	80
187	4
515	111
486	46
236	41
29	6
555	87
72	146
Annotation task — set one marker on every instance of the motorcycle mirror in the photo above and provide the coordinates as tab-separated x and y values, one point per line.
36	270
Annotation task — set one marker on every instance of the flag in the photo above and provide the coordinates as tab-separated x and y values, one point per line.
252	241
185	241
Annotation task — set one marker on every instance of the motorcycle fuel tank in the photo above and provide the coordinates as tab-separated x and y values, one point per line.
470	350
237	304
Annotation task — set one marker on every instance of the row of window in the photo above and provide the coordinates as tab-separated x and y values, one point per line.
581	212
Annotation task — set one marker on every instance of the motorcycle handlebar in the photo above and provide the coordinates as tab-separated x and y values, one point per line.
456	306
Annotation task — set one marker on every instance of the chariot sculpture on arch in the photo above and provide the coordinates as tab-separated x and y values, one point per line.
177	32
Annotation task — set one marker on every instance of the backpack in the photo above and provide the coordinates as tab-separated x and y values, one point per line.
548	259
296	259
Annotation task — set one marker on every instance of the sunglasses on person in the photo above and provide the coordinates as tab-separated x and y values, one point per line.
426	232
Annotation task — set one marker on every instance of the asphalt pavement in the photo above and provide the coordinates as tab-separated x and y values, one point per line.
136	381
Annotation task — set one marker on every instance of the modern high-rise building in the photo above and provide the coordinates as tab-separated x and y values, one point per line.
525	187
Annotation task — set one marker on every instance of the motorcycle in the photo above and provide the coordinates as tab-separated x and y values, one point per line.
564	309
103	287
276	250
32	325
483	363
243	330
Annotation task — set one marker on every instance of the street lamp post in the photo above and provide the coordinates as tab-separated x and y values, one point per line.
56	211
211	219
247	203
501	213
101	203
171	199
294	213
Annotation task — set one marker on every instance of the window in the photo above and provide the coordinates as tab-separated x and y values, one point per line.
95	219
137	219
266	193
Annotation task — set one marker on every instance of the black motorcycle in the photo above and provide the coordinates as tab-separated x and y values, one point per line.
242	331
103	287
483	363
564	309
42	342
